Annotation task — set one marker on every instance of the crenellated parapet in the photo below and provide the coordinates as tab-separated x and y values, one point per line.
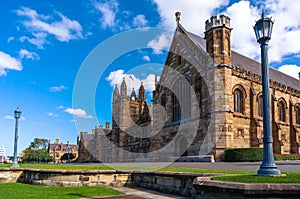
217	21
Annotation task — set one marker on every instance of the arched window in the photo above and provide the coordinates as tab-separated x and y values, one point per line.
260	106
238	100
297	114
176	109
281	110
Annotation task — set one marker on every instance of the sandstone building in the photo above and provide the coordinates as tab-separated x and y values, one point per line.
208	98
57	150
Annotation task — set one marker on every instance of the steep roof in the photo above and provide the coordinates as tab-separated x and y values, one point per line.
249	64
63	146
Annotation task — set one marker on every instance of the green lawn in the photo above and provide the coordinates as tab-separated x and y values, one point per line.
193	170
289	178
64	167
24	191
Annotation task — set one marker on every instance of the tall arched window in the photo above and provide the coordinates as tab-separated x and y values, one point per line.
260	106
297	114
238	100
281	111
176	108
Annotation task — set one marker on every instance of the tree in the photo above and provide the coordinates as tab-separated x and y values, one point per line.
37	151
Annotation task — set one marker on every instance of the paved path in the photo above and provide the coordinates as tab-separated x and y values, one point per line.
140	193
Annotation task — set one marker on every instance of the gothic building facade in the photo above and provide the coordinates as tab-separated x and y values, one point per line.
208	98
129	132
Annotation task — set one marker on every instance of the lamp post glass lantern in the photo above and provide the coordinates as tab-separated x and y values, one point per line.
17	113
263	31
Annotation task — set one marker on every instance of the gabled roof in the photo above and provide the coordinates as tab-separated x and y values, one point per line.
63	146
248	64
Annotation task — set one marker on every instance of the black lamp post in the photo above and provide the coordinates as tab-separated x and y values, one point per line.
263	31
68	152
17	116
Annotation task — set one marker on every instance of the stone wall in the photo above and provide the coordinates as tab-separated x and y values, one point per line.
166	182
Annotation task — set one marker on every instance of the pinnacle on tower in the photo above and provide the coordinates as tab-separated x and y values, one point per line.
142	92
116	93
123	88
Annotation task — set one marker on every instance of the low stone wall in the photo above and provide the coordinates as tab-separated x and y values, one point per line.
10	175
185	184
213	189
167	182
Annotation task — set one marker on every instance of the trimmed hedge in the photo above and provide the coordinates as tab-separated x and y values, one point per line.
243	155
286	157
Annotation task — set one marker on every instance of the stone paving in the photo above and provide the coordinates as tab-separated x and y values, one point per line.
140	193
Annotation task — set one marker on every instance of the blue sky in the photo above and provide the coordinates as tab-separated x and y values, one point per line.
43	46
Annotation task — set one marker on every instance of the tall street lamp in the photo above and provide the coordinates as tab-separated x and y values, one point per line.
17	116
263	31
68	152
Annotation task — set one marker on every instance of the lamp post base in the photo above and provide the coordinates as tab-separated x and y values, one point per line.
268	171
15	164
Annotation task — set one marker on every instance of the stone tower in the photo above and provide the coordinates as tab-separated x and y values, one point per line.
217	35
142	92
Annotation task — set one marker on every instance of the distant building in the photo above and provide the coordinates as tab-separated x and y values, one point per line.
2	153
57	150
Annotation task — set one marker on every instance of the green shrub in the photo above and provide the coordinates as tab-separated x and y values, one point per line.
243	154
286	157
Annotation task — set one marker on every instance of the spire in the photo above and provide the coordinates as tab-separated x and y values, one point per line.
116	93
142	92
133	95
123	88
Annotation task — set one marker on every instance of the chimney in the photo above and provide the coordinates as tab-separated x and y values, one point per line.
107	125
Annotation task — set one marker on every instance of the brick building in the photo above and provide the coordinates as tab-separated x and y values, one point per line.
208	98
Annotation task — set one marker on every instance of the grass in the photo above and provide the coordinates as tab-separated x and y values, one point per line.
290	177
64	167
24	191
193	170
87	167
240	176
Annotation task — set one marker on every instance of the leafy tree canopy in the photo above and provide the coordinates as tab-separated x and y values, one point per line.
37	151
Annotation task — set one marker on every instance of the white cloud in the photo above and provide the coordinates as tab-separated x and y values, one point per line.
146	58
28	55
78	112
9	117
60	107
285	38
116	78
10	39
52	114
162	42
140	21
108	11
41	26
194	13
58	88
9	63
243	33
291	70
38	40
